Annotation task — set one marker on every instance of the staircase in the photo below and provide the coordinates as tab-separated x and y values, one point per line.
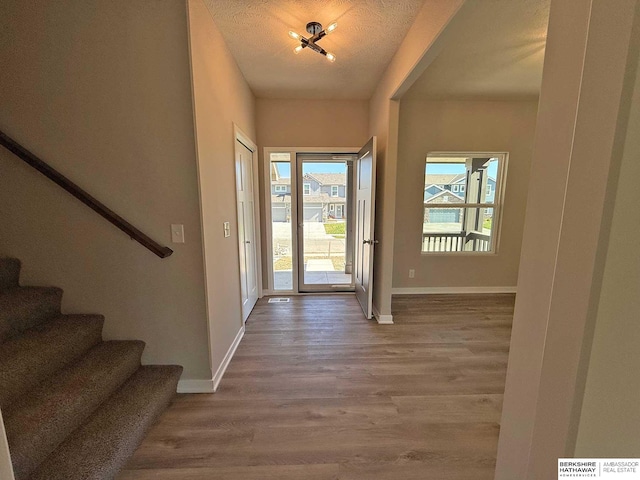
75	407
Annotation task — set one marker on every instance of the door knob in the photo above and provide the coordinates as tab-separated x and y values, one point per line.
370	242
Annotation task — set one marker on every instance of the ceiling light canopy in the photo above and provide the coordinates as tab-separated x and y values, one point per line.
317	33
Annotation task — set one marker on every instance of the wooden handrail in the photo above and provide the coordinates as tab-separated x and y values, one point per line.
84	197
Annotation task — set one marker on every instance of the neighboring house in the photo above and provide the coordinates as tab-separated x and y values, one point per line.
324	196
455	183
443	215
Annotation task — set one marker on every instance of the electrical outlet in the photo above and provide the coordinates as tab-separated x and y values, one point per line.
177	233
412	273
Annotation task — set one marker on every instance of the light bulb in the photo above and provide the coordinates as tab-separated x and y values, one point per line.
332	27
293	34
331	57
298	49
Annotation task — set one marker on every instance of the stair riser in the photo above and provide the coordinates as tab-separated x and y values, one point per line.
23	308
28	359
103	445
74	407
58	406
9	272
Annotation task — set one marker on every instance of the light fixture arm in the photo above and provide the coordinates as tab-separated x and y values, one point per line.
316	48
317	33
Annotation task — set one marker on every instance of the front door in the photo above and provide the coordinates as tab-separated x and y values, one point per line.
365	190
322	235
246	229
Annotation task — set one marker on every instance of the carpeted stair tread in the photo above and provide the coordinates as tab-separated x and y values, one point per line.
38	353
103	444
38	421
9	272
23	307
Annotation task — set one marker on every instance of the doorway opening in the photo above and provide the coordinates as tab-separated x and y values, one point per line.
310	221
319	207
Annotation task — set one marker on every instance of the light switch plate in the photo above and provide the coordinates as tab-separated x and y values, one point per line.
177	233
227	229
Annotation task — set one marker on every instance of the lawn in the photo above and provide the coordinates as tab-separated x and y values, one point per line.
335	229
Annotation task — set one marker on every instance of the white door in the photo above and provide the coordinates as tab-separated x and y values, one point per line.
246	229
365	193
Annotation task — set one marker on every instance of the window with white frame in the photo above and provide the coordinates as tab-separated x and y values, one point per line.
281	189
334	190
467	219
306	189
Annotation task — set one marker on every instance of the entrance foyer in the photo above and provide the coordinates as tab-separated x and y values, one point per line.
316	392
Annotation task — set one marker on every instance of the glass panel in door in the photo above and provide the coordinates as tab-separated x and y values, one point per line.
324	228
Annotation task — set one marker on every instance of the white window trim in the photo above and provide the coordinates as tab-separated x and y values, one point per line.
455	188
281	188
306	189
497	205
337	190
332	207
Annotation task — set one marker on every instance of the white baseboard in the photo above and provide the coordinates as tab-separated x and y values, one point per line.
227	358
452	290
210	386
382	319
195	386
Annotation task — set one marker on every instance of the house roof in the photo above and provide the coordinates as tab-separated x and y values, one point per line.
322	198
440	197
328	178
447	179
281	181
443	178
281	198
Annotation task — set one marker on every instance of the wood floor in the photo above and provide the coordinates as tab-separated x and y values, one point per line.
316	392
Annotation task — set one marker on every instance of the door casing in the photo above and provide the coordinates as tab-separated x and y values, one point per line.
254	217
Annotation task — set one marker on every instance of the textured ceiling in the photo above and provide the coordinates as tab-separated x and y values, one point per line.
495	48
368	34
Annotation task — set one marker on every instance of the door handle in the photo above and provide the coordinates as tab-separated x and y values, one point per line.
247	241
370	242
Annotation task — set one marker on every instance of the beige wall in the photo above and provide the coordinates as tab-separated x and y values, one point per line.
610	418
221	98
311	123
575	149
417	50
306	123
101	90
469	126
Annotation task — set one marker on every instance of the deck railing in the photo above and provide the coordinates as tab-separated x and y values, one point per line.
456	242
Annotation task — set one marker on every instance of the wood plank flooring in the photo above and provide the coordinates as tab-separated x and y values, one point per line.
317	392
